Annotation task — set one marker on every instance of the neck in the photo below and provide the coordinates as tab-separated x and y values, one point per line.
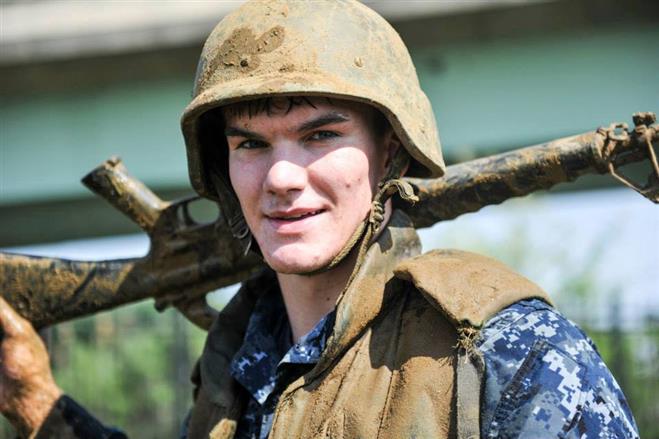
309	298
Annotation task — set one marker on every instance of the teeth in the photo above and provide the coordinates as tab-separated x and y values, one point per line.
299	216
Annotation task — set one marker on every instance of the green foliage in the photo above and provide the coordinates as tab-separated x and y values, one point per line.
121	367
632	358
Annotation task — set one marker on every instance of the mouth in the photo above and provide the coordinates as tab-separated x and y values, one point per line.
293	216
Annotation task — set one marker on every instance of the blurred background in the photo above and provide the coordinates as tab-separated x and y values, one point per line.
86	80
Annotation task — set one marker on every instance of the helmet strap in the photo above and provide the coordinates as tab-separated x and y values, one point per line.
370	227
232	212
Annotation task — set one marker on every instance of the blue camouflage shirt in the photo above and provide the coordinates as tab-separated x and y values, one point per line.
543	375
545	378
268	361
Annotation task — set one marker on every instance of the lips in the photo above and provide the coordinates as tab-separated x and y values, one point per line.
294	215
295	221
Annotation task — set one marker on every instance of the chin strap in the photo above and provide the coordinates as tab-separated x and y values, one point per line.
376	216
232	212
370	227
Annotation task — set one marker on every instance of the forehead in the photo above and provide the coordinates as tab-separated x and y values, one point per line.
295	107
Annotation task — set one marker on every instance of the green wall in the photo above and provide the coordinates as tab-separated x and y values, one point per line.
50	141
498	94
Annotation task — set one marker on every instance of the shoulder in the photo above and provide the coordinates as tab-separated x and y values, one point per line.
543	375
466	287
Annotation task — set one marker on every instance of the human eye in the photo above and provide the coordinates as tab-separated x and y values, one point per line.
251	144
323	135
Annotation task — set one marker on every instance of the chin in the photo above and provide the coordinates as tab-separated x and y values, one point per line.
292	260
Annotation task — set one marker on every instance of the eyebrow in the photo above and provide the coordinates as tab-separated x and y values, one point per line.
320	121
325	119
240	132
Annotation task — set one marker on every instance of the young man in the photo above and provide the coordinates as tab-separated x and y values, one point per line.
305	116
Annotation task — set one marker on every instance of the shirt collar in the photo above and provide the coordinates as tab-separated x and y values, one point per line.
267	346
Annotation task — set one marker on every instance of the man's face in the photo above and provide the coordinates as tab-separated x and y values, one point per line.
305	177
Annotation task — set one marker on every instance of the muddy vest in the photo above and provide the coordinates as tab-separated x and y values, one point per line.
400	362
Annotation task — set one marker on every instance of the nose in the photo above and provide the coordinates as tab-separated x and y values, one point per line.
286	175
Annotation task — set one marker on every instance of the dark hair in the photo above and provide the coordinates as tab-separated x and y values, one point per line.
268	105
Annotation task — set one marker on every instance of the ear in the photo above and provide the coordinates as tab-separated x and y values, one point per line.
392	144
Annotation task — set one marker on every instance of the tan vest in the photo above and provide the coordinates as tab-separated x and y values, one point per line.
401	345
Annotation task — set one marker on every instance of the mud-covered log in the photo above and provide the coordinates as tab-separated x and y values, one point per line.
49	290
52	290
470	186
467	187
112	182
186	259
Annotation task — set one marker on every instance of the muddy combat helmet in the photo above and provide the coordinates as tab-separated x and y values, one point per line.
333	48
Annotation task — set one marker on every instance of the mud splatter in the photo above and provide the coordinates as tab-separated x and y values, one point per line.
242	50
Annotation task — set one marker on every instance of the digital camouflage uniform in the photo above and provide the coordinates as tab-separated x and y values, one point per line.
268	361
563	376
